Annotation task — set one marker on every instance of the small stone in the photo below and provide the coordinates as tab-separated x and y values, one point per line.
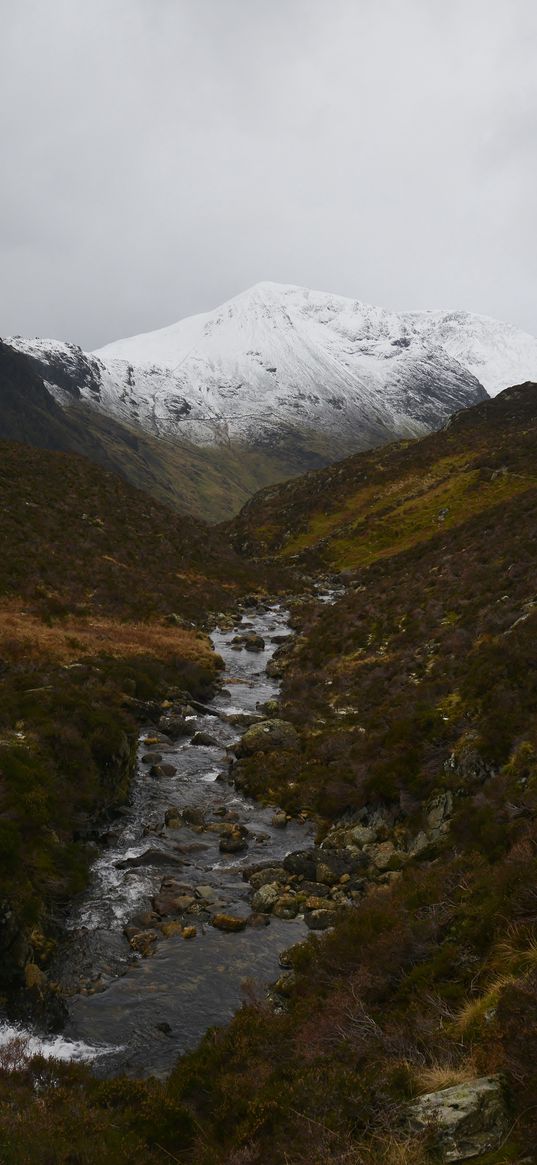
204	740
189	932
151	758
279	820
228	922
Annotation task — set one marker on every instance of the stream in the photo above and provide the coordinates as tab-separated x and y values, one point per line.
136	1015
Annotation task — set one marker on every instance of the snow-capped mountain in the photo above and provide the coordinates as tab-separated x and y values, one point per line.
300	374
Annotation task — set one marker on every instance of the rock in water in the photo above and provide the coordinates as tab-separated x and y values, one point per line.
470	1119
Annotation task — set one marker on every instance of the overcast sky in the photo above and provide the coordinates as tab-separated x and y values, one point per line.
159	156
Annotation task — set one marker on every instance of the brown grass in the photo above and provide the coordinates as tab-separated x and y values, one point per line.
24	638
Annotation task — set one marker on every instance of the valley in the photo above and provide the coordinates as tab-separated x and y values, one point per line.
287	938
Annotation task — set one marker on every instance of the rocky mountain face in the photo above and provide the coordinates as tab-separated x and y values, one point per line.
277	381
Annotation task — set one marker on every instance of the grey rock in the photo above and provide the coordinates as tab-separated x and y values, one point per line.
469	1119
267	736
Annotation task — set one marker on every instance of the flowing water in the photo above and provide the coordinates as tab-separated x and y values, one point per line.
139	1014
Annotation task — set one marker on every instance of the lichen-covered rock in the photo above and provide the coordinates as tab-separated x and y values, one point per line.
319	919
469	1119
267	736
269	874
264	898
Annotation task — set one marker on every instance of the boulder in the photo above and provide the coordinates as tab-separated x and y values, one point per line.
152	758
279	819
267	736
269	874
233	843
174	726
469	1119
162	770
302	862
264	898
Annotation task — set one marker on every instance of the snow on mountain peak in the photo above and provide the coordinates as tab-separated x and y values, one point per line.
286	367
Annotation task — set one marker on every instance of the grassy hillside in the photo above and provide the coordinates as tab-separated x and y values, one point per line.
375	504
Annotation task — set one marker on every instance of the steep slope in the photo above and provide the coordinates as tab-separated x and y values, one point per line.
212	483
375	504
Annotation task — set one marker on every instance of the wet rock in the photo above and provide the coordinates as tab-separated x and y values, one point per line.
171	929
174	726
244	719
171	901
302	862
270	708
286	907
228	922
152	758
192	815
164	1028
233	843
267	736
267	875
189	932
150	857
143	943
257	920
279	819
469	1119
264	898
320	919
206	893
162	770
250	640
204	740
173	818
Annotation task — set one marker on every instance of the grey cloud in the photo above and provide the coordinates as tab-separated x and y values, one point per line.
159	156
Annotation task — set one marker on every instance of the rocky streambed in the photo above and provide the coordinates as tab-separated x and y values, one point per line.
197	890
190	902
